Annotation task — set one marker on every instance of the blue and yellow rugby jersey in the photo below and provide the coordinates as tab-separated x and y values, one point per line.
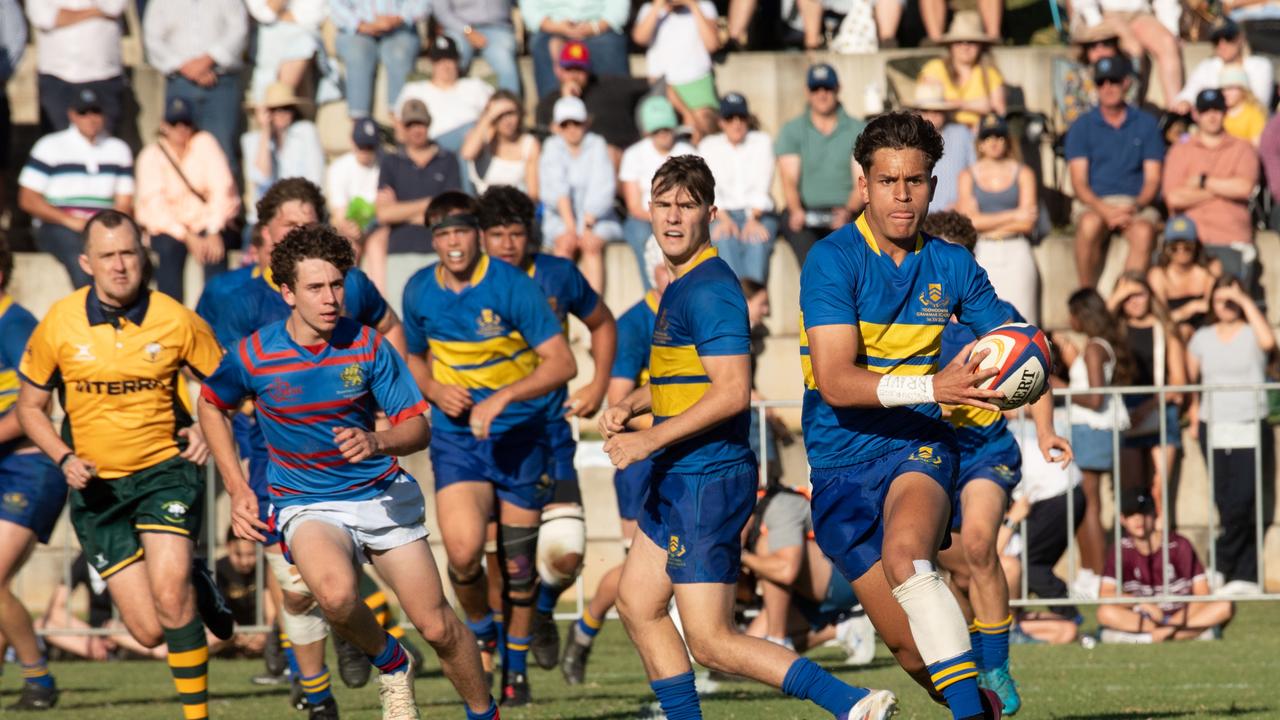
16	325
217	295
301	396
256	303
568	293
120	381
979	432
635	333
702	313
899	313
482	338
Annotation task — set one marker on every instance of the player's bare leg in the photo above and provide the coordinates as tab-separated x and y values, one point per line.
577	647
168	575
38	688
983	504
645	592
518	547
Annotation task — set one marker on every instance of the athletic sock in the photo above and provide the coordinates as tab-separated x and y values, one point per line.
189	664
515	659
957	680
490	714
994	652
286	646
548	596
317	687
484	628
392	659
678	697
807	681
975	642
588	627
38	674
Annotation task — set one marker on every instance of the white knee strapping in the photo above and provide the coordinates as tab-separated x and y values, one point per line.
287	575
937	624
306	628
563	532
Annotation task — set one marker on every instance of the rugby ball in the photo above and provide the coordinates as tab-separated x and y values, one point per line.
1020	354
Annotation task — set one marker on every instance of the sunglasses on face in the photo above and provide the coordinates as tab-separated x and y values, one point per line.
815	91
732	118
570	123
1110	81
1178	245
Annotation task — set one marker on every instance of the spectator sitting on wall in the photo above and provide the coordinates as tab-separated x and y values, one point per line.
284	145
351	183
373	30
639	164
1246	117
1144	26
598	24
89	647
455	102
1229	49
482	27
1183	276
498	151
741	160
611	100
1073	88
288	40
1269	151
958	140
681	36
78	48
967	75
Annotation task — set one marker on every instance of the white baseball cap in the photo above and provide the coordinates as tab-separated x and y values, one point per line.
569	108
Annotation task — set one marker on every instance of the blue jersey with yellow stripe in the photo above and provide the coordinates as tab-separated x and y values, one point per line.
979	432
898	312
16	326
568	293
635	333
702	313
482	338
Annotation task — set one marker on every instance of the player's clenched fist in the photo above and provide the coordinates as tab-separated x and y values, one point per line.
628	448
614	420
356	445
244	516
451	399
78	472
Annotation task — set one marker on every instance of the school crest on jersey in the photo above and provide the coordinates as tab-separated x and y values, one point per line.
661	329
934	303
352	377
489	324
152	351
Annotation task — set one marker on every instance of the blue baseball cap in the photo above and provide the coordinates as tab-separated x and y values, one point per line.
733	105
364	133
1180	228
1112	68
1210	99
822	75
178	110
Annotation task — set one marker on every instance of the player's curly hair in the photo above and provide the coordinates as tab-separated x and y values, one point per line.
450	203
896	131
952	227
689	173
310	242
289	189
505	205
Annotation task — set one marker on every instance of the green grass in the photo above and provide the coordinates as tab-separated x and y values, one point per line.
1227	679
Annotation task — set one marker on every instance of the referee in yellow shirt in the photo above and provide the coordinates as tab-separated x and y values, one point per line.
114	352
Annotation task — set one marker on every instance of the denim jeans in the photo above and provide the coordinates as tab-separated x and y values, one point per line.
608	57
64	244
360	54
748	259
499	52
57	94
215	109
171	255
636	232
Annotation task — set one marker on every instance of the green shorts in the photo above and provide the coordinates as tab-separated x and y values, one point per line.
700	93
108	514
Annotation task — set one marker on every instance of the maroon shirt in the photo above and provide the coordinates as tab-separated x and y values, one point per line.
1142	574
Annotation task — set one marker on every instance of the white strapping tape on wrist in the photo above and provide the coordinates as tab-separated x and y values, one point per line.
901	390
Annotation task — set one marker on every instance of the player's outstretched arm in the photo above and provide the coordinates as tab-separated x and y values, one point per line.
216	423
586	400
1046	435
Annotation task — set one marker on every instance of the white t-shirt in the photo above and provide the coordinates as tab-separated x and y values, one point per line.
641	161
346	179
677	52
450	108
743	172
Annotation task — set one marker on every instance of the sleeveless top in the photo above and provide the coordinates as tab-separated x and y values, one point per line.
999	200
1197	320
1104	418
489	169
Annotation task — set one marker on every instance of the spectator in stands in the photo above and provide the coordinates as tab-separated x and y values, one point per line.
284	145
351	183
407	181
578	190
681	36
1233	349
1260	20
1073	86
1228	50
611	100
1159	359
484	27
958	140
598	24
236	575
967	75
370	31
1144	26
741	160
187	199
1210	178
933	14
498	150
1269	151
455	102
1246	117
71	175
13	43
1146	574
1114	153
815	162
639	164
287	42
1183	276
1001	196
1100	359
78	48
199	47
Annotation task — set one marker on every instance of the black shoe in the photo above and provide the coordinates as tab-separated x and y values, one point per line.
353	665
39	697
414	653
327	710
573	664
273	653
297	696
212	607
545	641
267	679
515	691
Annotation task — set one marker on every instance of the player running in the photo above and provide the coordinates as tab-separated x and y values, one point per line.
488	353
702	485
630	370
115	351
338	494
505	216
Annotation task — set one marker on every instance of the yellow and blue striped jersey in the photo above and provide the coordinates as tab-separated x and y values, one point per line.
16	326
702	314
482	338
635	334
568	293
979	432
898	313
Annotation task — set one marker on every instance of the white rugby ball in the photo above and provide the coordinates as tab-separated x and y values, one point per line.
1020	353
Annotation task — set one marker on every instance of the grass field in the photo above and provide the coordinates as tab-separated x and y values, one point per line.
1226	679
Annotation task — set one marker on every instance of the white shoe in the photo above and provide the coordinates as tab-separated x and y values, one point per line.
858	638
1120	637
1240	587
1086	585
880	704
395	691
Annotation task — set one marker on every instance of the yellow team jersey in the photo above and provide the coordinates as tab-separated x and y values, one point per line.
120	383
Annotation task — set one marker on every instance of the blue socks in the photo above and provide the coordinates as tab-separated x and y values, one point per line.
392	659
589	625
548	596
678	697
490	714
317	687
37	674
993	652
484	629
975	642
517	654
957	680
807	681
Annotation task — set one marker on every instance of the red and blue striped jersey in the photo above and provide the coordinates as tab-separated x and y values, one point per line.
302	396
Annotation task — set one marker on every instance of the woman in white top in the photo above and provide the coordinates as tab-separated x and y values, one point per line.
681	35
1232	349
1102	360
288	38
1228	49
497	149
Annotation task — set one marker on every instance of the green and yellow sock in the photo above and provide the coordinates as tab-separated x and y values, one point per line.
189	664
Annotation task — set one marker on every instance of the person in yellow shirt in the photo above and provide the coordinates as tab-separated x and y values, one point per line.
967	75
1245	115
115	352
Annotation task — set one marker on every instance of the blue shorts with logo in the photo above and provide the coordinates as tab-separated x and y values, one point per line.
632	486
699	520
253	449
32	492
1002	468
561	447
848	501
836	606
514	462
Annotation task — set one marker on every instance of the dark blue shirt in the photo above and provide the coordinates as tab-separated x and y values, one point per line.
1115	155
411	182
